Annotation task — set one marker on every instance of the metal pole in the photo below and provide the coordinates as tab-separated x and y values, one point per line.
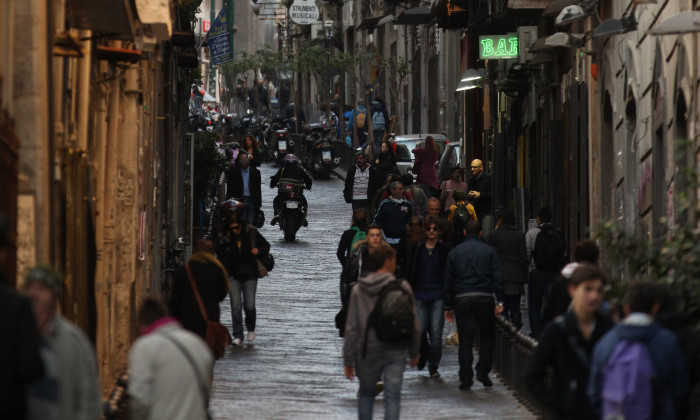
211	61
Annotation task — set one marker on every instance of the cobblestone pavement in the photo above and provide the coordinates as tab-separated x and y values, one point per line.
294	369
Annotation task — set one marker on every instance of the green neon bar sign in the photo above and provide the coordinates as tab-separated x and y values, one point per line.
495	47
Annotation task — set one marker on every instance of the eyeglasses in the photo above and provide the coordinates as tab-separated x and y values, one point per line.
433	228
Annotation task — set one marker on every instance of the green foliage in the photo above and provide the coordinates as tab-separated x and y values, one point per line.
672	260
188	10
209	163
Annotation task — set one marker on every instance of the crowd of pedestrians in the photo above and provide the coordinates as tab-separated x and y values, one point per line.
590	353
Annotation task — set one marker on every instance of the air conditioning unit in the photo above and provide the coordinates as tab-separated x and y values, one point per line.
527	35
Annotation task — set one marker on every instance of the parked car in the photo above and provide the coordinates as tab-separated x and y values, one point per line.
412	141
450	157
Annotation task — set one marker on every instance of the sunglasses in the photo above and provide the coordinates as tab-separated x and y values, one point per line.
433	228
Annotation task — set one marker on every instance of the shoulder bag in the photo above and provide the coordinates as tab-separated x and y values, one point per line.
217	336
266	262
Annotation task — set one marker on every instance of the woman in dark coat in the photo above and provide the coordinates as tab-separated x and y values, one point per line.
509	242
238	249
250	146
359	223
211	279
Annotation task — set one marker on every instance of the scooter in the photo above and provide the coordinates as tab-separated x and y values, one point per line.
292	213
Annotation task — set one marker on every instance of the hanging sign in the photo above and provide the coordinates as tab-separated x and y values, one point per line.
494	47
219	40
303	12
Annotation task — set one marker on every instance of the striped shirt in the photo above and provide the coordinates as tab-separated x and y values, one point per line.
359	187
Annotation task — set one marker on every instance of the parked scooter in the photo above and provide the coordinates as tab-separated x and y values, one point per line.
320	154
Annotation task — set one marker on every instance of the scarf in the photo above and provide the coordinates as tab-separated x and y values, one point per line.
205	257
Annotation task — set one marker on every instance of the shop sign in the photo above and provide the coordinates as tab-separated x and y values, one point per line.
303	12
498	47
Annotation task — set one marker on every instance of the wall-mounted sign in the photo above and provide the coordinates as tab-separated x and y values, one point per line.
220	40
498	47
303	12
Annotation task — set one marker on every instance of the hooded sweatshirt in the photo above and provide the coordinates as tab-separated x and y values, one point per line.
363	297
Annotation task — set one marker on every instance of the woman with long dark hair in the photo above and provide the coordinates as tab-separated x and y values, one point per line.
250	146
238	249
424	166
348	238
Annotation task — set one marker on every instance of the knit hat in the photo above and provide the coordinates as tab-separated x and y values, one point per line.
47	276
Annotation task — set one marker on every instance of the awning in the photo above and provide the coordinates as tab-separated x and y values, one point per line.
556	6
528	4
110	17
416	16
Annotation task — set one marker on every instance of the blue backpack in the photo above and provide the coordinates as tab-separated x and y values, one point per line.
629	382
378	123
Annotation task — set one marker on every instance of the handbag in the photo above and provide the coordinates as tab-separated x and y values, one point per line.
265	262
259	219
217	336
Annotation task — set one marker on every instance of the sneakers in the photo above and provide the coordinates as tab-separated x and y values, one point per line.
251	335
434	372
237	342
484	379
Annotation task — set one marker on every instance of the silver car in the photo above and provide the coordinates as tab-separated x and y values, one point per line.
404	155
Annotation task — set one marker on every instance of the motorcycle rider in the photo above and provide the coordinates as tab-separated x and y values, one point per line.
290	170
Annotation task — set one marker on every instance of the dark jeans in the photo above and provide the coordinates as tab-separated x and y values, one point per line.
474	312
431	314
378	137
249	211
361	204
242	300
511	310
539	282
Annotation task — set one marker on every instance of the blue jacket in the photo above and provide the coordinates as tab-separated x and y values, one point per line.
393	217
472	267
665	354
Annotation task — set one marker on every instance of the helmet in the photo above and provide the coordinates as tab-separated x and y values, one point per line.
232	206
291	160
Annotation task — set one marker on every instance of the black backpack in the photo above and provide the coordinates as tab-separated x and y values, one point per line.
549	252
461	218
392	317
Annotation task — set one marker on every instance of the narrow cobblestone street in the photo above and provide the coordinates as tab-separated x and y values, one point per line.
294	368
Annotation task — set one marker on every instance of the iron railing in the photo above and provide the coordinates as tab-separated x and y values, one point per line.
511	358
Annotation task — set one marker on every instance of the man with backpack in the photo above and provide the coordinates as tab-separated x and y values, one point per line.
358	119
460	214
380	122
547	252
638	368
472	278
382	324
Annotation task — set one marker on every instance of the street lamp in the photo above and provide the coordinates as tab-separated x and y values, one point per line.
473	74
467	85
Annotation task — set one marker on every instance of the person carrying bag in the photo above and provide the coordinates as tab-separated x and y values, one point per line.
217	336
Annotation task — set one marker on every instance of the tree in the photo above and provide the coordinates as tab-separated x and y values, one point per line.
399	70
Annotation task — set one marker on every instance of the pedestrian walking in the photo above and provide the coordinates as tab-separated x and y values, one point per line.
251	146
638	370
415	234
433	207
547	253
449	186
170	369
480	194
364	353
509	242
381	192
566	347
380	122
416	195
239	247
424	164
243	183
77	375
393	214
211	280
385	160
358	182
19	341
350	237
556	300
472	278
427	260
461	213
358	119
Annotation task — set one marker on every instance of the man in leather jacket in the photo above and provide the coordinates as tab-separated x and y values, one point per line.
290	170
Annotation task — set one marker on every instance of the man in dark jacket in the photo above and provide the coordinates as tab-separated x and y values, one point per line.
294	173
509	242
211	279
479	194
357	183
243	183
472	277
393	214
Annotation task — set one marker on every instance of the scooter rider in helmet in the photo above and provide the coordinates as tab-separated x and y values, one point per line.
290	170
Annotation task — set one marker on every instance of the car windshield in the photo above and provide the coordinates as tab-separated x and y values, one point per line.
418	142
